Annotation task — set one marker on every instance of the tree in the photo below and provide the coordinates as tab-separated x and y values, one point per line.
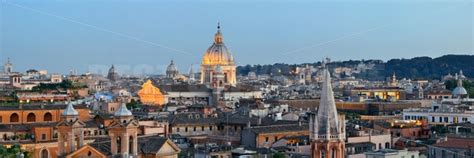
279	155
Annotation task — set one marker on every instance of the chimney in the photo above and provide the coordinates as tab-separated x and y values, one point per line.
259	121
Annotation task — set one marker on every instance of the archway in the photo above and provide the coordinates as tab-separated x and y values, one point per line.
44	153
48	117
14	118
31	117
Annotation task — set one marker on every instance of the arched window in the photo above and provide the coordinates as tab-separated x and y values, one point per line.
387	145
44	153
31	117
14	118
380	146
48	117
323	153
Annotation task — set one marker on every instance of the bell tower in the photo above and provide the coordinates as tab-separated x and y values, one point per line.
123	133
218	84
327	128
71	131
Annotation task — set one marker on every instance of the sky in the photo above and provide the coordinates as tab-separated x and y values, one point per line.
142	36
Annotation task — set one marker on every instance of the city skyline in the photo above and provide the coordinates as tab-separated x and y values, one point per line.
149	33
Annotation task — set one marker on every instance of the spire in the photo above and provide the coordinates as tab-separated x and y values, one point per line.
218	35
123	111
328	124
191	72
70	111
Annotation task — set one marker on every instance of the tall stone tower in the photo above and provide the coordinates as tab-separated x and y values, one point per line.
218	83
327	128
123	133
71	131
218	54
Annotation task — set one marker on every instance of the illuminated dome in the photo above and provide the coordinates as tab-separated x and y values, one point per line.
218	53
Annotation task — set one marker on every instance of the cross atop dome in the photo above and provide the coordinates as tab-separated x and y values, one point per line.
218	36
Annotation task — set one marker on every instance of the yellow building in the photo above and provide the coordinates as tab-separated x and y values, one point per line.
151	95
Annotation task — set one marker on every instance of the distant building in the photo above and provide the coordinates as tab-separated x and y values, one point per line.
392	153
113	75
172	71
452	147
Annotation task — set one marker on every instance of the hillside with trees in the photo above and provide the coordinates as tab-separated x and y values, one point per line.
415	68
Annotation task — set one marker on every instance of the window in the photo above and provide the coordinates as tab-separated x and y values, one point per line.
276	138
30	117
432	119
43	136
14	118
440	119
186	129
48	117
210	128
446	119
202	128
266	139
194	128
177	129
44	153
387	145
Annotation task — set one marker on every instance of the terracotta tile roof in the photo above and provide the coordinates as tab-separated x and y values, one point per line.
460	143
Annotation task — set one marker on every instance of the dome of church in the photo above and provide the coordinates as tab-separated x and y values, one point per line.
218	53
113	75
171	67
459	90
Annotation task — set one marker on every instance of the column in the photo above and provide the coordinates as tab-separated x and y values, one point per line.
135	145
60	144
113	144
71	142
81	139
124	143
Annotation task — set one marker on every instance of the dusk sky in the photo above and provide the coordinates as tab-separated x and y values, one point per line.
85	34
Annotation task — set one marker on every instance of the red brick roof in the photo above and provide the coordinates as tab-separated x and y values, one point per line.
460	143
